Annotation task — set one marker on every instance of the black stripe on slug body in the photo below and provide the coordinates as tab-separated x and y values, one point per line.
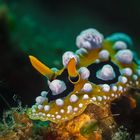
69	87
95	67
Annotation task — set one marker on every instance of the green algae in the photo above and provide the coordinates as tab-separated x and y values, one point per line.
89	127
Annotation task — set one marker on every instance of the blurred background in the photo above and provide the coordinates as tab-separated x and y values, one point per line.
48	28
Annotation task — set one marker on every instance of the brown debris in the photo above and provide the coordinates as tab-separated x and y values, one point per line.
70	130
21	128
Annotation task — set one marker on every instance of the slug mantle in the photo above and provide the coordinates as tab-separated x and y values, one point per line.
100	71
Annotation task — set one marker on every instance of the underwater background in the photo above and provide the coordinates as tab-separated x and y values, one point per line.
46	29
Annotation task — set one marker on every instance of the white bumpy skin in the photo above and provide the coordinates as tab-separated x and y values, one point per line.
125	56
104	55
120	45
87	87
67	56
89	39
57	86
84	73
106	73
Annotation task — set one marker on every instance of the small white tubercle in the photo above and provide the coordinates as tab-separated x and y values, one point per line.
120	45
46	107
57	86
40	99
84	73
87	87
73	98
67	56
81	51
127	71
85	97
59	102
104	55
44	93
124	56
105	87
114	88
123	79
106	73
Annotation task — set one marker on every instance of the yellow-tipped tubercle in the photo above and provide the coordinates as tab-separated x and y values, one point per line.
42	68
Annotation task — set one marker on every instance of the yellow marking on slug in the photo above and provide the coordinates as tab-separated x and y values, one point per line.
39	66
72	68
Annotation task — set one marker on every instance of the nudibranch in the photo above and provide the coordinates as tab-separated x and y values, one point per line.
100	71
